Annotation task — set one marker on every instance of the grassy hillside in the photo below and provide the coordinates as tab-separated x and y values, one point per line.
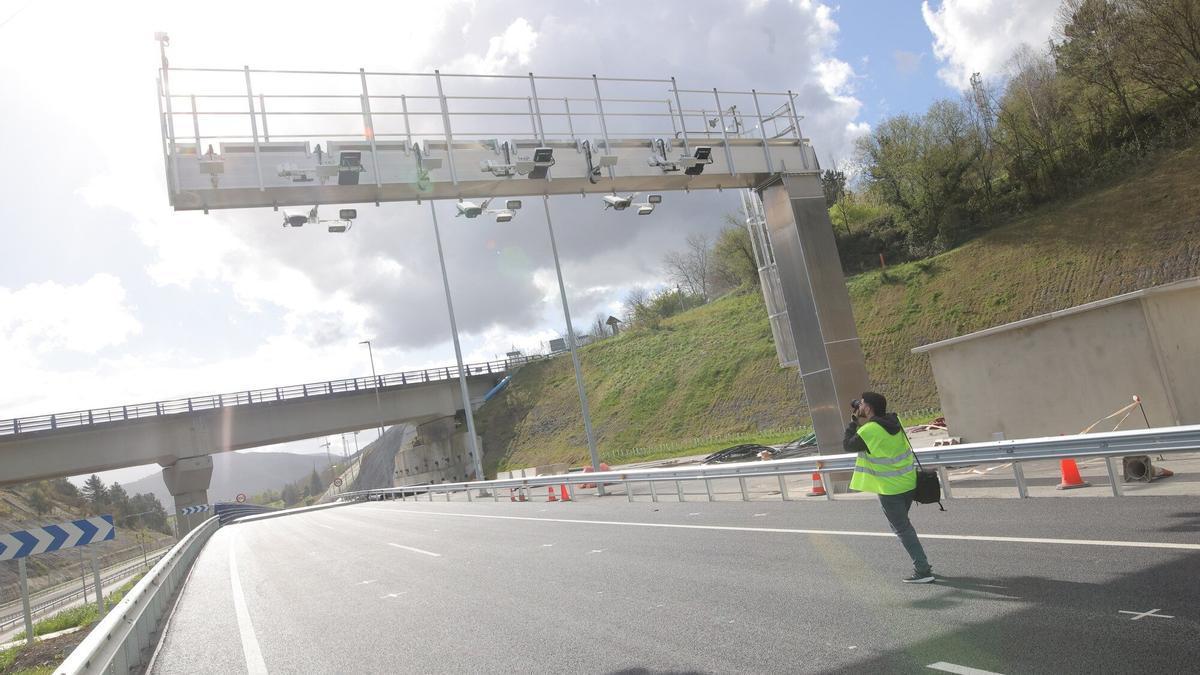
710	374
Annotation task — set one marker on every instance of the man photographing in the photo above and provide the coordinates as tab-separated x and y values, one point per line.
885	466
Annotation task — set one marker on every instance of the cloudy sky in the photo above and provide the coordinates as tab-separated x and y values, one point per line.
108	297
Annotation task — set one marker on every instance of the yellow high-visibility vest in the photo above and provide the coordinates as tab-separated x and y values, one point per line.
888	469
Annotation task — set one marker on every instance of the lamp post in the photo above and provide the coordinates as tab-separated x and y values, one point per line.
462	374
583	402
378	405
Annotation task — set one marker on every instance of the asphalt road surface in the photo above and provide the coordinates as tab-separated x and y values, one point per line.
605	586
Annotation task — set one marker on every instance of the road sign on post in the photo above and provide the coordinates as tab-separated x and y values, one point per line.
241	498
24	543
198	508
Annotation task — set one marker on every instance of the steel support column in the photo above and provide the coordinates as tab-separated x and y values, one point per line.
818	306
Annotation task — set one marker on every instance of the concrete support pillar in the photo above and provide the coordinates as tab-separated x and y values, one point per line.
188	480
819	313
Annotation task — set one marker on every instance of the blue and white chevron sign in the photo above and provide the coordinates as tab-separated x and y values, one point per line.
23	543
188	510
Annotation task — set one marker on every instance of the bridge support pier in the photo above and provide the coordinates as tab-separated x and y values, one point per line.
188	480
819	313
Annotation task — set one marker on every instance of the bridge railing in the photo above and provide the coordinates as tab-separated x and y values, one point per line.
1105	446
77	418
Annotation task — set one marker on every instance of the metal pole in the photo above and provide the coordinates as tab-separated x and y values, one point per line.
254	130
25	601
603	124
166	92
537	107
462	373
370	126
1019	474
682	119
945	477
724	135
262	110
83	576
437	75
96	580
583	402
762	128
1112	476
196	126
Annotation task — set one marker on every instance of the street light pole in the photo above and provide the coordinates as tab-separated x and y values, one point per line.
379	406
462	373
583	402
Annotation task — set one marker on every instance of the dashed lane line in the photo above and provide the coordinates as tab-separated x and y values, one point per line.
416	550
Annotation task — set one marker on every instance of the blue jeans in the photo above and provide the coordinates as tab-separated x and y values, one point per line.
896	507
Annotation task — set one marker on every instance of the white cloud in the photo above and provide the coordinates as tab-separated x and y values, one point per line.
48	316
511	48
972	36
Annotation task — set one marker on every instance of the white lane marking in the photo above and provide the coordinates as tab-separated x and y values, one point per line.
547	545
416	550
596	550
392	595
694	514
759	515
1142	615
250	649
784	530
961	670
368	581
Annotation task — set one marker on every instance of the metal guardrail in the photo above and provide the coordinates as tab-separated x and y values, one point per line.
123	640
77	418
1103	445
39	608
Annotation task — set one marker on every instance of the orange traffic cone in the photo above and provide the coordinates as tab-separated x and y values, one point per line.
818	488
550	494
1070	476
566	494
512	496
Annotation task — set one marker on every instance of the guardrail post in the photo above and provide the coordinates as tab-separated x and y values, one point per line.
708	489
1112	476
679	491
629	491
783	488
745	491
53	422
125	412
1019	474
653	492
944	475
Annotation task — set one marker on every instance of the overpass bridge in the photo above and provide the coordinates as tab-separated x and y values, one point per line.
181	435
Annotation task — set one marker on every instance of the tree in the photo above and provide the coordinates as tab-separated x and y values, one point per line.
40	501
689	268
1091	51
119	499
635	303
94	491
315	486
833	182
599	328
734	264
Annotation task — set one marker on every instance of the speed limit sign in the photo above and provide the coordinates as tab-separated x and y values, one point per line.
241	498
337	482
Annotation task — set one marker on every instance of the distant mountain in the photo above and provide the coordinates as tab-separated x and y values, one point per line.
234	472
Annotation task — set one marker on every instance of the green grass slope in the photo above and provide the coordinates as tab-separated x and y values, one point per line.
710	375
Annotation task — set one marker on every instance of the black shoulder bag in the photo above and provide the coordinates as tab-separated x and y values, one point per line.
929	488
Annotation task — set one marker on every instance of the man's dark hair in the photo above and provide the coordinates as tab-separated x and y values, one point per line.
877	402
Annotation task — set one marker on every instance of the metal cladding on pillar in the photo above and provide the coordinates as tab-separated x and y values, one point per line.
820	316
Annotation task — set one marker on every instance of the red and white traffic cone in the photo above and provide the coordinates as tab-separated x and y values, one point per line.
818	488
512	496
550	494
566	494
